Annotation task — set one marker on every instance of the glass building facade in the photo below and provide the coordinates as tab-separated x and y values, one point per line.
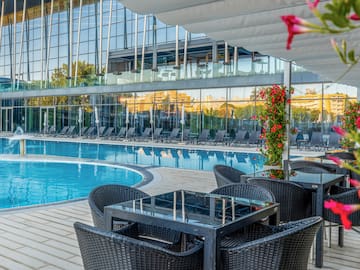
66	62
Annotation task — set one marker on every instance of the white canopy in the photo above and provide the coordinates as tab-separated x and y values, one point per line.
256	26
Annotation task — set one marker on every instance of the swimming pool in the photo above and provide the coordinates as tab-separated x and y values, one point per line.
31	183
27	183
151	156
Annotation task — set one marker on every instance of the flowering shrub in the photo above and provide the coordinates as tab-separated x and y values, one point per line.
349	122
339	17
274	123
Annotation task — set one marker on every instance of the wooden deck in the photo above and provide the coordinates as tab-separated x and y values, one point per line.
43	237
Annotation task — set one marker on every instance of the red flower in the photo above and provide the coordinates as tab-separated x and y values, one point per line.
344	210
358	122
295	26
354	17
339	131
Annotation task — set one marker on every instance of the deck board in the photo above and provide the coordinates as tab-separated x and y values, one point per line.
43	237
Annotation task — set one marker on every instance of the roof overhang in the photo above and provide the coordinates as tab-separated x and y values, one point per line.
256	26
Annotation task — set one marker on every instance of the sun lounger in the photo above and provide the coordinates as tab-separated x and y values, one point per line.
204	136
241	137
173	135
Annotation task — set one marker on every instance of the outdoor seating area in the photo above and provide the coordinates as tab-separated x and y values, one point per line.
293	215
38	249
284	221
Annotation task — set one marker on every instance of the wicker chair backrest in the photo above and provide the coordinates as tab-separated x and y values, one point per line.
110	194
114	251
295	201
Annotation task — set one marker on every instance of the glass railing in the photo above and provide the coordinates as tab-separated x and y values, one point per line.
164	73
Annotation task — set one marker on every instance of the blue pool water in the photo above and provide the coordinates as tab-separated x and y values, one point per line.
32	183
166	157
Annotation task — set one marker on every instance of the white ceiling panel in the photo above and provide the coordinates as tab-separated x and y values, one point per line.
256	26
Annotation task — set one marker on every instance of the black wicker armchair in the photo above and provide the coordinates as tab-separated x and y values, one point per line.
110	194
248	191
123	250
295	201
225	175
105	195
265	247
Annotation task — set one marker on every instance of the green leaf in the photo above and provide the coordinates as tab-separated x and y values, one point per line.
339	21
356	6
330	7
351	56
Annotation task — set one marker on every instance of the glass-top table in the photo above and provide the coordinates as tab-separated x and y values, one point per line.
196	213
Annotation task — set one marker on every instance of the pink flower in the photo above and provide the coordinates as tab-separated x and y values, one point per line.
344	210
337	160
339	131
354	17
295	26
312	5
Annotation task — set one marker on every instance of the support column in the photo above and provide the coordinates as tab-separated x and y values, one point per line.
14	49
78	44
214	52
21	43
49	43
185	53
154	44
176	46
236	59
70	42
100	36
287	84
135	42
143	49
108	38
42	45
2	20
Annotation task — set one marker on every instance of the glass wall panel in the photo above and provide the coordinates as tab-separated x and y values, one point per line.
307	107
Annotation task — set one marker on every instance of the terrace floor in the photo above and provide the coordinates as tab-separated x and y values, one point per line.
43	237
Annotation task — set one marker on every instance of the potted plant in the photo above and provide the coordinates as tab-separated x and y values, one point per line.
273	120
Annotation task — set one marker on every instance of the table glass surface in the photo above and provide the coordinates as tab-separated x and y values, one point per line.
302	177
203	209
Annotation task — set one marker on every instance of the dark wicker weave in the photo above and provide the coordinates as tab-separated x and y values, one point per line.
248	191
105	195
265	247
312	166
226	175
101	250
295	201
110	194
